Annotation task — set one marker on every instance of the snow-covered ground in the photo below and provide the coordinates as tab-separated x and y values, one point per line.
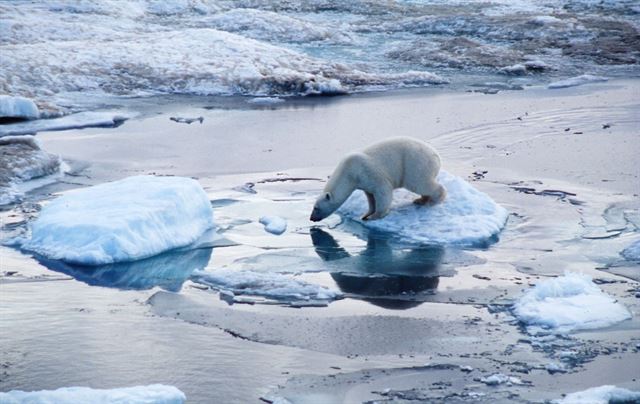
568	303
152	394
121	221
466	217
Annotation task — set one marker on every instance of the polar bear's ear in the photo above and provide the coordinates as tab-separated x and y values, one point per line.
327	196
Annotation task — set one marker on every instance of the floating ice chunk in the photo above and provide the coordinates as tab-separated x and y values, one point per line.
154	393
499	378
577	81
122	221
17	107
265	100
568	303
632	252
601	395
466	217
22	160
266	284
274	224
80	120
517	69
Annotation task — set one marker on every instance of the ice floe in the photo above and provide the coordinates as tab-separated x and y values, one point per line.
121	221
274	224
632	252
499	378
80	120
265	284
577	81
568	303
154	393
18	108
601	395
22	160
466	217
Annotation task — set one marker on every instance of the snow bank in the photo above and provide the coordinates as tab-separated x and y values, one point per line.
105	119
568	303
274	224
577	81
155	393
18	107
122	221
632	252
22	160
265	284
466	217
601	395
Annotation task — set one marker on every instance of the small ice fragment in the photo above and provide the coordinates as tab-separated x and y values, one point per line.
17	108
265	100
499	378
517	69
189	121
568	303
155	393
632	252
466	368
554	367
601	395
577	81
122	221
274	224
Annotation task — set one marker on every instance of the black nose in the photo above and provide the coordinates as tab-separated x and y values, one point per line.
315	216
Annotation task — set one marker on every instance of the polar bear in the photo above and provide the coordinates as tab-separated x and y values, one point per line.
379	169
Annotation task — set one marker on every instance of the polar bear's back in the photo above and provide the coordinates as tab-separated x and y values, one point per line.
406	161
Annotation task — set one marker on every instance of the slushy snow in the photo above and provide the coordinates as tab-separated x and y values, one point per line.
75	121
577	81
632	252
601	395
568	303
21	161
274	224
466	217
266	284
152	394
18	107
122	221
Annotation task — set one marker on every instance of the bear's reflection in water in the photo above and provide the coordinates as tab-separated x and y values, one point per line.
381	275
167	271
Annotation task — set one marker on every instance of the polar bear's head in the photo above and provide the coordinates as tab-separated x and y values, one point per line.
325	205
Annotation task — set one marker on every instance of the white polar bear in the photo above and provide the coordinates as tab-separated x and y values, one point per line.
379	169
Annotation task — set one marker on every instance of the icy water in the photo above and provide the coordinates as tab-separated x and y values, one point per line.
92	53
337	312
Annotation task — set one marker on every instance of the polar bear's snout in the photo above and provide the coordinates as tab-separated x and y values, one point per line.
315	215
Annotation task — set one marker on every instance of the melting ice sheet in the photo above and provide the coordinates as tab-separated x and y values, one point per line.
568	303
466	217
155	393
122	221
75	121
601	395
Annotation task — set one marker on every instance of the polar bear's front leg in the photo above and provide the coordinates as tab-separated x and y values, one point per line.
382	202
372	206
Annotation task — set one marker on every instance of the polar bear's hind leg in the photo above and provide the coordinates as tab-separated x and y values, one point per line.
372	206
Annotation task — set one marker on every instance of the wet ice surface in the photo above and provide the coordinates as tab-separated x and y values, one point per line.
428	321
156	393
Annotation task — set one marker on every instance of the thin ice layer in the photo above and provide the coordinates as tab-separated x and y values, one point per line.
568	303
466	217
155	393
122	221
265	284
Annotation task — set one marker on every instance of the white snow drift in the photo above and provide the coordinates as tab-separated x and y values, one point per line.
122	221
265	284
18	107
155	393
568	303
601	395
466	217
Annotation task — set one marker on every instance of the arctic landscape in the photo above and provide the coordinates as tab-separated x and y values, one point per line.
160	162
